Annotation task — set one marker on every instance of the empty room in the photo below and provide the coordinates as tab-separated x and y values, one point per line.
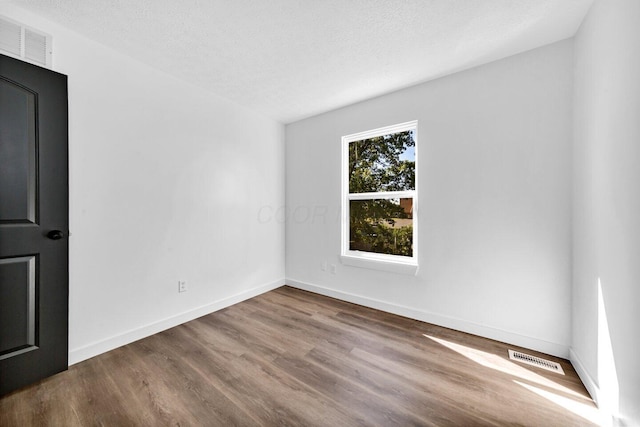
319	213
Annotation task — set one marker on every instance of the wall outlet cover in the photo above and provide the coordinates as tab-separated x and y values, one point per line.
182	286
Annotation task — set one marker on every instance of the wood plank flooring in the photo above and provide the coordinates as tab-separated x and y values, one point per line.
293	358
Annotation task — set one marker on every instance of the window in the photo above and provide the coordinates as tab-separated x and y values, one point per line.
379	198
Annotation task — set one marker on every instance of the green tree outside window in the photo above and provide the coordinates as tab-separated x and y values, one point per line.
382	164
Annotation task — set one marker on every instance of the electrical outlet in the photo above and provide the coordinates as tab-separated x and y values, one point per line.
323	266
334	269
182	286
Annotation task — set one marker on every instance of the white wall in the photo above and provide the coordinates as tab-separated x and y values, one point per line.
606	339
495	201
166	183
169	182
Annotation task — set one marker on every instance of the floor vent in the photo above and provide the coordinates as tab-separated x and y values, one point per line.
25	43
536	361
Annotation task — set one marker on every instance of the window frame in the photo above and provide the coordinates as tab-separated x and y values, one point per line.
373	260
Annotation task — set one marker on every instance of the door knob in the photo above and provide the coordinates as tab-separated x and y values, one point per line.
55	234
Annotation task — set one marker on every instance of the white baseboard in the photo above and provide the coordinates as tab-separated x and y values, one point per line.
609	418
88	351
588	381
555	349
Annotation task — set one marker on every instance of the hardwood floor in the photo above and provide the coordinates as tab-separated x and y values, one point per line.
289	357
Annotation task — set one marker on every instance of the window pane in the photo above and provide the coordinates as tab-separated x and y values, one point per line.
383	163
381	226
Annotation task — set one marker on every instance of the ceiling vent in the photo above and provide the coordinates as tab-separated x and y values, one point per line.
25	43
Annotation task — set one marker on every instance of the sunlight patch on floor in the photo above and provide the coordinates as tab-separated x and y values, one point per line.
498	363
588	412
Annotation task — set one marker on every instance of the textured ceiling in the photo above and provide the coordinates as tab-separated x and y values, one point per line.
290	59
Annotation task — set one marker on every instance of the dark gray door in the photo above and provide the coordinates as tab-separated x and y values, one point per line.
34	212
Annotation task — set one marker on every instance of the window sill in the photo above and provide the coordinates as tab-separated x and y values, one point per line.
391	266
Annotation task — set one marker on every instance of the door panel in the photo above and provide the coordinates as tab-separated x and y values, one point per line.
17	153
33	202
17	306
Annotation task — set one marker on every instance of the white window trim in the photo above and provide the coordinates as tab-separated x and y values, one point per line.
384	262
